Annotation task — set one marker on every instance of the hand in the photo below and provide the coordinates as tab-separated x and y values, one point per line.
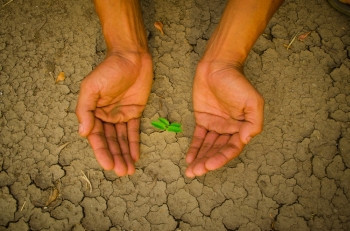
111	100
228	112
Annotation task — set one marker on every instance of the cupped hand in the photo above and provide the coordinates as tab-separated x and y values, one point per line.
228	112
111	100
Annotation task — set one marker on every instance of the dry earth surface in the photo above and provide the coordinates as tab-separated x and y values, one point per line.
293	176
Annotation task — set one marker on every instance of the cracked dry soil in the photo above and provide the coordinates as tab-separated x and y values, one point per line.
293	176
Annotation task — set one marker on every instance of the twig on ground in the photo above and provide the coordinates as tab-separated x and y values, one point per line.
7	3
293	39
23	206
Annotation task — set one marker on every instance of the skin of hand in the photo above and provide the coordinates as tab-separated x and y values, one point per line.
228	109
228	112
345	1
113	96
111	100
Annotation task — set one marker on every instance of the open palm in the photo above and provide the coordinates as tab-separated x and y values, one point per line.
111	100
228	112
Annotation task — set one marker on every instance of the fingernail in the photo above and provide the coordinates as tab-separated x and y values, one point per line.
248	139
81	129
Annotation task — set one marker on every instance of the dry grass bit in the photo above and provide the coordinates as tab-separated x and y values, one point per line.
7	3
23	206
291	41
89	185
61	147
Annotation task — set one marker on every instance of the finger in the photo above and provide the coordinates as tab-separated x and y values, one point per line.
111	136
228	151
197	140
99	145
197	167
219	143
134	138
85	108
254	118
208	142
189	171
124	146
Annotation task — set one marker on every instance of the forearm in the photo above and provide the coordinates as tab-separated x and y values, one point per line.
122	25
241	24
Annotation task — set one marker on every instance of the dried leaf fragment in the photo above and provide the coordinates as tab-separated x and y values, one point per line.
60	77
159	26
302	37
53	196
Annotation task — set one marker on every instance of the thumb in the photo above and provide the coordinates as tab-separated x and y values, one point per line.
86	106
254	117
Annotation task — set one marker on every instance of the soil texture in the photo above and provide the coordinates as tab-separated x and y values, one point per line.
294	176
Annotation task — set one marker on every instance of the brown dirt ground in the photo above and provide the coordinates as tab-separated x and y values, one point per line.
293	176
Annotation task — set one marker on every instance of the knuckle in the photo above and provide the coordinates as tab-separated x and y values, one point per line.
216	146
123	137
100	149
206	146
97	133
112	139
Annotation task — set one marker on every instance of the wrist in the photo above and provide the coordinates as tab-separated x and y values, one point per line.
219	52
136	58
122	25
220	49
125	38
241	24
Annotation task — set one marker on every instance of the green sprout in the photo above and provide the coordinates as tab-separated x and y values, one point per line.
165	125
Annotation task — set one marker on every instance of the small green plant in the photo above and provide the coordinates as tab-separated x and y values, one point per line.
165	125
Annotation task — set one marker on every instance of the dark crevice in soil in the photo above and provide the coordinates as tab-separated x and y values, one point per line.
178	223
274	219
337	143
228	229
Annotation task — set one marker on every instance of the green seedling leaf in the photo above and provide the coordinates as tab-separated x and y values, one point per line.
164	121
174	129
175	125
159	125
